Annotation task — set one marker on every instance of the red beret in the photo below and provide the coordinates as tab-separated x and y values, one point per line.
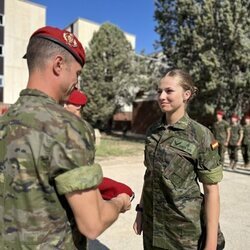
247	116
220	112
65	39
235	116
110	188
77	98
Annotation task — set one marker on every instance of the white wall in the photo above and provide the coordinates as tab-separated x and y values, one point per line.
22	18
84	30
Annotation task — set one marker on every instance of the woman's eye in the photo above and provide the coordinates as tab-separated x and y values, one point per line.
167	91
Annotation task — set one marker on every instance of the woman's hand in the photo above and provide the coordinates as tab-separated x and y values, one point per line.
138	224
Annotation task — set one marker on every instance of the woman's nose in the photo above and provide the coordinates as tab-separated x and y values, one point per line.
162	95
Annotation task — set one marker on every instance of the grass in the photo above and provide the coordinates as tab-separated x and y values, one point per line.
119	146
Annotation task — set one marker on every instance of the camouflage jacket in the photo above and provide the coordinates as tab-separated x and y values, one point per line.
175	157
220	130
45	152
235	131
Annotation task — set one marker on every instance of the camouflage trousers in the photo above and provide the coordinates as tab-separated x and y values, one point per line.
246	153
233	152
221	151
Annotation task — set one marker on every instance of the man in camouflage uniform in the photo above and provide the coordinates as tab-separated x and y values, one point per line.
245	148
221	131
48	179
236	135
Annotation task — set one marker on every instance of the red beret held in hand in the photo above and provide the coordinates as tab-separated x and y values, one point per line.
110	188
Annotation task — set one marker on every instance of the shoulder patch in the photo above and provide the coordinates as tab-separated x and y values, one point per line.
214	144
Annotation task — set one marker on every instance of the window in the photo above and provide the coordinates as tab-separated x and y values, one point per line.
1	20
1	81
1	50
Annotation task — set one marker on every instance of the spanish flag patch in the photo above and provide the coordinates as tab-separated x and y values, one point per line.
214	145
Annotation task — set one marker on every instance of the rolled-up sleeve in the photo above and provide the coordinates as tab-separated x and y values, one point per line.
211	176
81	178
210	170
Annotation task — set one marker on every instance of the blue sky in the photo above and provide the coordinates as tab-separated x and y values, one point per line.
132	16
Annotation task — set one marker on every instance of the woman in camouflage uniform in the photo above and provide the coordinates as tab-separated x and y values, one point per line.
173	213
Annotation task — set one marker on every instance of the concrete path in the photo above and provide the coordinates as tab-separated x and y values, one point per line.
235	206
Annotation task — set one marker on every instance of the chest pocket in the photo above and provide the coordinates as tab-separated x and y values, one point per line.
180	170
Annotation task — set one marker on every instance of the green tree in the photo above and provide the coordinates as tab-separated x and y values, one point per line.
105	77
210	39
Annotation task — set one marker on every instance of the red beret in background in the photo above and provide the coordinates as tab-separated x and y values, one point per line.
77	98
110	188
220	112
63	38
235	116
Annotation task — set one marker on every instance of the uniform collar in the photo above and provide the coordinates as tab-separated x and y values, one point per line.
181	124
37	93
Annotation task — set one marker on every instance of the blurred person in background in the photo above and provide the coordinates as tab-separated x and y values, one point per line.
245	147
236	136
221	131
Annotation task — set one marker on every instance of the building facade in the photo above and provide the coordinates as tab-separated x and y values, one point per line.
1	47
84	30
19	19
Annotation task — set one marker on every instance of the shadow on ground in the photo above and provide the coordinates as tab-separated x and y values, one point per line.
237	170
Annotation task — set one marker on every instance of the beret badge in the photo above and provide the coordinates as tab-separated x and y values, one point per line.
69	39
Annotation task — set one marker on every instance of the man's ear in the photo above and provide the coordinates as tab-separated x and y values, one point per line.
57	64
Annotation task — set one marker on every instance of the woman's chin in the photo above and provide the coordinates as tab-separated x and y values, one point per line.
165	109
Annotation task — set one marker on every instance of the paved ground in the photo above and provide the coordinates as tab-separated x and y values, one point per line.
235	206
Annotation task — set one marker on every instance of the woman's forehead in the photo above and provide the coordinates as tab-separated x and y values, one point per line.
169	81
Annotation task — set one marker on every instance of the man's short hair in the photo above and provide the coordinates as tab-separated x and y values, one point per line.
39	50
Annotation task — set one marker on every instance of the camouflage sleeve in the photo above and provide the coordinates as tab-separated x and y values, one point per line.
227	125
72	161
209	167
80	178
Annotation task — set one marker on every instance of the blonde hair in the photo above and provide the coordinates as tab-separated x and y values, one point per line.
185	80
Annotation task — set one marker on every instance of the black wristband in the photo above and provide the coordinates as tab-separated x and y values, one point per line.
138	208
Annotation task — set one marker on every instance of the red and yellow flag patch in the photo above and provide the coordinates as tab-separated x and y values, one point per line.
214	144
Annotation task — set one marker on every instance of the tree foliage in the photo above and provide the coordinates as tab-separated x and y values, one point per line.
211	40
110	76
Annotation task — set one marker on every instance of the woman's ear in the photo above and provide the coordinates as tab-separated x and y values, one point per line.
187	95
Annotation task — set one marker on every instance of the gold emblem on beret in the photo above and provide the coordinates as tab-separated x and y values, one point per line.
70	39
214	144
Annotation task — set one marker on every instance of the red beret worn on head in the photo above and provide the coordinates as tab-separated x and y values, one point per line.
77	98
110	188
220	112
235	116
63	38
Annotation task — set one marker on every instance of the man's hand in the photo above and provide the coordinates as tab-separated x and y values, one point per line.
124	200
